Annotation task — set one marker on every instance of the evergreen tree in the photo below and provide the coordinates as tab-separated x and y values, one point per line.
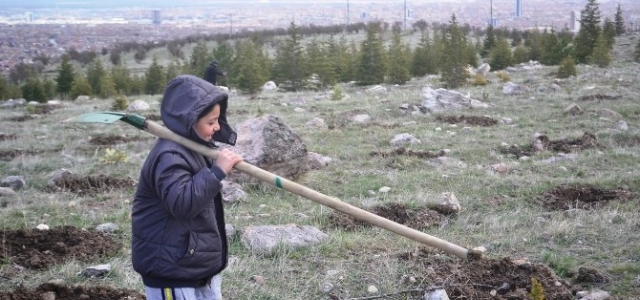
534	41
489	42
619	19
636	53
173	70
95	72
290	68
422	62
251	71
320	63
199	59
520	54
601	54
454	73
225	56
64	80
49	88
107	87
549	43
121	79
567	68
587	37
399	56
137	85
115	56
154	79
372	63
80	87
33	90
501	56
609	32
339	56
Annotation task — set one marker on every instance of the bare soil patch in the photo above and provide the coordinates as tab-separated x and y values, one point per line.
586	141
62	291
40	249
8	155
91	185
599	97
4	137
480	278
417	218
470	120
566	197
22	118
402	151
115	139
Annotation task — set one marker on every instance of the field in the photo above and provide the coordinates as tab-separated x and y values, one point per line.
567	215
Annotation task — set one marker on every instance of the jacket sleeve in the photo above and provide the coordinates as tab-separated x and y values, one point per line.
184	192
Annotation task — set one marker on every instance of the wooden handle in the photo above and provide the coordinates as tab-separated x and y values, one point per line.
310	194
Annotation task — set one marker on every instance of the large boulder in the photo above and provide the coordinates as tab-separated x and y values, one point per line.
268	143
270	86
442	100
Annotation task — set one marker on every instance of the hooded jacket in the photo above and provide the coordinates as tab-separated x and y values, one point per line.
211	73
178	228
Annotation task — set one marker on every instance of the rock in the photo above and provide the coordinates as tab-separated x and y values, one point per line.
372	289
229	230
595	295
436	295
607	113
621	125
48	296
42	227
573	109
11	103
16	183
96	271
138	105
223	88
107	227
404	138
326	287
442	100
58	176
361	118
561	157
483	69
270	86
317	161
384	189
232	192
590	275
7	192
265	239
378	89
446	204
317	122
511	88
268	143
555	87
82	99
500	168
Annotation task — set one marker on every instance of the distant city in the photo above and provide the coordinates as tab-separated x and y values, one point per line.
46	27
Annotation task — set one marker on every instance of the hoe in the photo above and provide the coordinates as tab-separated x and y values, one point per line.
249	169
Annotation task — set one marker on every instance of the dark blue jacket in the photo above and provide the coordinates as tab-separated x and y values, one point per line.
211	73
178	223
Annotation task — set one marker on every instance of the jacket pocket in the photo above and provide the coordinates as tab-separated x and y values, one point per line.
199	252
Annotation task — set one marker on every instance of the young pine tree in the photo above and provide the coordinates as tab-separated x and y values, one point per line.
567	68
95	72
64	80
251	71
454	73
619	19
609	32
587	37
290	65
399	59
501	56
601	54
489	42
154	78
373	63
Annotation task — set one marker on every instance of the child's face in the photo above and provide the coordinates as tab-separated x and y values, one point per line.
207	125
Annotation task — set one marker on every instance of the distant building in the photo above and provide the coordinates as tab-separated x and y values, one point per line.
364	15
493	22
574	21
157	20
28	16
518	8
409	13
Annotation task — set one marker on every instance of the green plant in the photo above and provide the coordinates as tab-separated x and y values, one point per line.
478	80
537	291
562	265
567	68
113	156
337	94
120	103
503	76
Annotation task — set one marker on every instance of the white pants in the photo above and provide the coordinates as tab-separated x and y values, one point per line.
206	292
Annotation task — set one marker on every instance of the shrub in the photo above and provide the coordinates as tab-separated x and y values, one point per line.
537	291
478	79
80	87
503	76
120	103
337	94
567	68
113	156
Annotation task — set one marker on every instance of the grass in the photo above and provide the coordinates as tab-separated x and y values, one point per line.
517	226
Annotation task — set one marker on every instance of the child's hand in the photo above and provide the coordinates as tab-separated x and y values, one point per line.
227	159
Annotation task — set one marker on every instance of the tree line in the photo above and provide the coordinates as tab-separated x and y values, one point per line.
328	57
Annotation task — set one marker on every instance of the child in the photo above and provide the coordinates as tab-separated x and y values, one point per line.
179	244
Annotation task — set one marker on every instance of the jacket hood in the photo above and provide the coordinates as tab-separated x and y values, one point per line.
185	98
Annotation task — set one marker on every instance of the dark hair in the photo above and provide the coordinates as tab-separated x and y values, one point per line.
207	110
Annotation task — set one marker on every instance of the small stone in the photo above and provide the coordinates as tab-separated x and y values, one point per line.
438	129
257	279
48	296
42	227
384	189
326	287
372	289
